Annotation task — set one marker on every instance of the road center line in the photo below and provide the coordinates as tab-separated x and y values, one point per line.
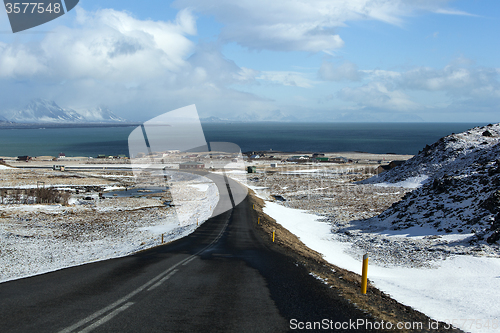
165	278
187	262
121	300
147	284
106	318
138	290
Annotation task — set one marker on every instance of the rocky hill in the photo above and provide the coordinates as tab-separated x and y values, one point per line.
461	191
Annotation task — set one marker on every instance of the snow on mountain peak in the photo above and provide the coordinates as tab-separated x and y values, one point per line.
99	114
45	111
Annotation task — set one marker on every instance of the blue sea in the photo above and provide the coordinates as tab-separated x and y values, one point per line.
398	138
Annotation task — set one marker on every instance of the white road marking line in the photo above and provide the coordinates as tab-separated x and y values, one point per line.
121	300
187	262
141	288
106	318
164	279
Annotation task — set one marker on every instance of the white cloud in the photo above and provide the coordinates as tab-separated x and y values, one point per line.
302	25
108	45
246	74
381	74
139	68
218	68
456	81
286	78
346	71
18	61
378	95
452	12
460	85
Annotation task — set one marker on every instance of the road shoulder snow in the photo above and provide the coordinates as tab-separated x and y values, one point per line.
456	290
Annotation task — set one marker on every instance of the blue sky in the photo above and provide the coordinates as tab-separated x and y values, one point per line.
322	60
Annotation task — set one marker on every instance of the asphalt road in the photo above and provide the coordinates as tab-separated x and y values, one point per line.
221	278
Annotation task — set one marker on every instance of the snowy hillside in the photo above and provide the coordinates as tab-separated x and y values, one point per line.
99	114
461	188
44	111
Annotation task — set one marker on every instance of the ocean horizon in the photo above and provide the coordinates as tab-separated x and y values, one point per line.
382	138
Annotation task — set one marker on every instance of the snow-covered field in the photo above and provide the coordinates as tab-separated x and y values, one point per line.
459	290
35	239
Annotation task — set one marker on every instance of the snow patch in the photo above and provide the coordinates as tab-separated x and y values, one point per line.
412	182
459	287
200	187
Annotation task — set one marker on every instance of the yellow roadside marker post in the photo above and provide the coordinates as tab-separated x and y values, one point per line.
364	277
162	238
274	231
258	220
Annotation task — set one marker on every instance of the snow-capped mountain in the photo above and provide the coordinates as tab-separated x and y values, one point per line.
44	111
461	193
276	115
213	119
99	114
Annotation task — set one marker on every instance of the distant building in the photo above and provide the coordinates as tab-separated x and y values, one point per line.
62	155
252	169
24	158
321	159
58	167
382	168
387	167
191	165
339	159
274	165
318	155
394	164
299	158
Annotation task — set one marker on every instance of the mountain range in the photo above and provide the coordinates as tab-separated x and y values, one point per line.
44	111
276	115
279	116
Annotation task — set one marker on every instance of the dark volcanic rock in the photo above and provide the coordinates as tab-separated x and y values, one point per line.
492	203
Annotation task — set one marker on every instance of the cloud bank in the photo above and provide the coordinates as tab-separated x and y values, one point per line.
138	67
303	25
